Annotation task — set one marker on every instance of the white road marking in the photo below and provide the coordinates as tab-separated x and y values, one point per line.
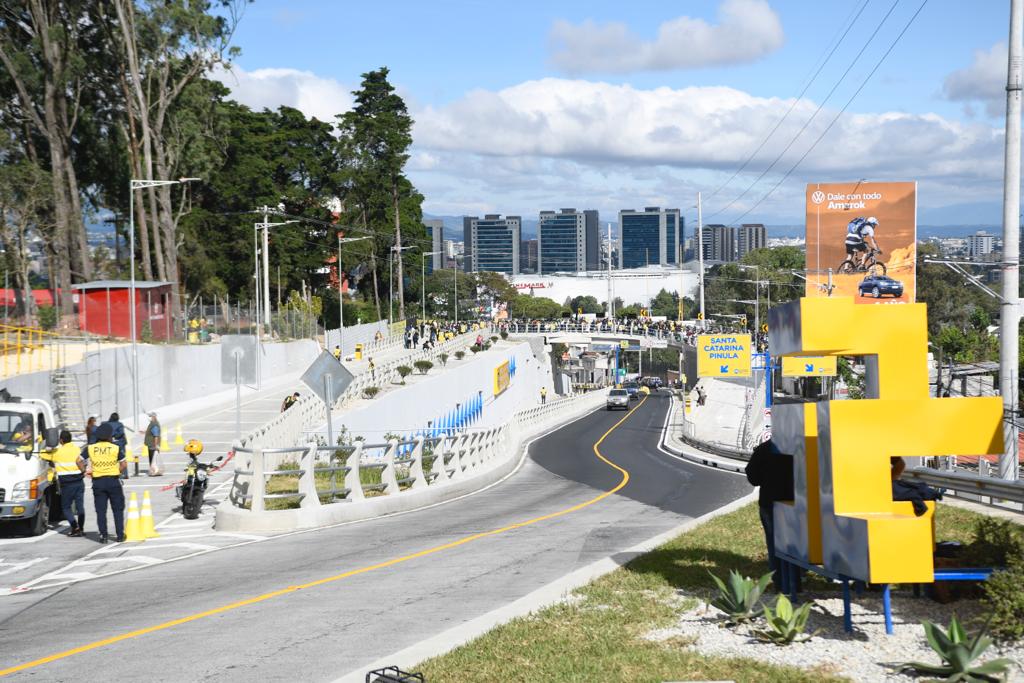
139	559
13	567
150	545
27	539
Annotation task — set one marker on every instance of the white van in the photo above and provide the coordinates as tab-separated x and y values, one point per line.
27	429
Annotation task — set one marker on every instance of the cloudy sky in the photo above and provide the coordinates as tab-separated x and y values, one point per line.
531	105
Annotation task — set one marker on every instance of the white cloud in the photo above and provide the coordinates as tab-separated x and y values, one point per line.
747	30
315	96
984	80
698	128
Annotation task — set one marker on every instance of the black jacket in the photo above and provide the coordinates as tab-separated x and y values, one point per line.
772	470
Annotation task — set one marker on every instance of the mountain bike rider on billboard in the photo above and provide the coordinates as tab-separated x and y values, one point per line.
859	233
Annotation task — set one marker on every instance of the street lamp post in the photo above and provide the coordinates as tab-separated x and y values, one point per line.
423	279
341	293
138	184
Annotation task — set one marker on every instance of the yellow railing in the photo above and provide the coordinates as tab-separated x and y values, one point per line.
25	345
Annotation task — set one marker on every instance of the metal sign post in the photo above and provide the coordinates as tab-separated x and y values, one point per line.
238	364
328	401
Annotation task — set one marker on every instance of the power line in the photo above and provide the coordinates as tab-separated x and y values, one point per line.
849	23
807	123
867	78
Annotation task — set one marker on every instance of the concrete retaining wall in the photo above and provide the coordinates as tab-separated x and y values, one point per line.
429	398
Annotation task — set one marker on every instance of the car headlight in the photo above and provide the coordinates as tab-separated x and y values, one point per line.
25	490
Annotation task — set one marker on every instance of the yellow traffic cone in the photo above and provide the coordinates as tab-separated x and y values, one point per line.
128	455
178	439
132	526
148	528
164	446
145	451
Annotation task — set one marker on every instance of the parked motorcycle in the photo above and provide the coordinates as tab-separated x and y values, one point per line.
193	489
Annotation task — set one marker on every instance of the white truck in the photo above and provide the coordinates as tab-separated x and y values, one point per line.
27	430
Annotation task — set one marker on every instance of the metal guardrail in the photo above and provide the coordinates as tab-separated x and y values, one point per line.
394	467
973	484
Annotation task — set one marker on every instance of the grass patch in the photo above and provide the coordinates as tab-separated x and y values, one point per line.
599	634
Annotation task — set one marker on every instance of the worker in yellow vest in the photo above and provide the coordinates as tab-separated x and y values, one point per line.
106	461
69	467
337	353
543	395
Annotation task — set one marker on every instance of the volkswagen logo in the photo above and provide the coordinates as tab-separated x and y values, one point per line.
817	196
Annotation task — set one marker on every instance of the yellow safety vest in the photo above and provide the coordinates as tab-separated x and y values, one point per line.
65	459
104	458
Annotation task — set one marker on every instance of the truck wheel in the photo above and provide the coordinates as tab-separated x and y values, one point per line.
38	524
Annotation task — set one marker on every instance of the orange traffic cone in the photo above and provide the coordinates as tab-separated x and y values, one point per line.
146	519
132	525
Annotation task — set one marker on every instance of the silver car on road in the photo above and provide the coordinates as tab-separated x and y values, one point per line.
618	399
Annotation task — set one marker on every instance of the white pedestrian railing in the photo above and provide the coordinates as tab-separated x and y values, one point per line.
350	474
287	429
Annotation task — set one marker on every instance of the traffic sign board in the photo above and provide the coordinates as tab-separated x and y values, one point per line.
723	355
809	366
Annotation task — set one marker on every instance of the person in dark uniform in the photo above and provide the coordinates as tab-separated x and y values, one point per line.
772	470
69	467
107	463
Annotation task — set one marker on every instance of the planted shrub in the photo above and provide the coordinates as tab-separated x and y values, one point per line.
494	339
370	392
958	653
1004	599
504	334
486	345
443	357
423	366
459	355
403	372
785	624
475	348
740	599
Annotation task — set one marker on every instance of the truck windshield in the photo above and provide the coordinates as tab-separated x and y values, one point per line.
17	434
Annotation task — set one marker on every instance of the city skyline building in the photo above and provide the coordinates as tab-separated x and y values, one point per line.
719	242
750	236
653	236
492	243
435	230
980	244
567	241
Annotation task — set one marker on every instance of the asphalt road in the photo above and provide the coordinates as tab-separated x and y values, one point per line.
317	605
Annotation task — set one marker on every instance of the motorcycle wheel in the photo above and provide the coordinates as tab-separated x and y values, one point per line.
191	505
846	267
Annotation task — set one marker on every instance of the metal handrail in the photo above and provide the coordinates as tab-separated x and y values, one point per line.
963	482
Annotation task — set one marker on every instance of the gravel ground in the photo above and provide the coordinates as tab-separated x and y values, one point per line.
867	654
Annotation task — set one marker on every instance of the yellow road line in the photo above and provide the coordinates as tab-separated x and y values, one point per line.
338	577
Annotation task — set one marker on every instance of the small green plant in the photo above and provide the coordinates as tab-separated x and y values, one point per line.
494	339
403	372
785	625
996	543
740	599
47	317
370	392
475	348
443	357
1004	599
486	346
423	366
504	334
958	653
459	355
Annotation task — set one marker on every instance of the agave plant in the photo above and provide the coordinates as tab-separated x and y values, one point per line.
785	624
740	599
958	652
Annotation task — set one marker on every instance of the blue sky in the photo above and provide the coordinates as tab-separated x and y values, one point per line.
528	106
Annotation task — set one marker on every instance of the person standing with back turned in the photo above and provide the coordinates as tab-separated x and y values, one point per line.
772	470
107	462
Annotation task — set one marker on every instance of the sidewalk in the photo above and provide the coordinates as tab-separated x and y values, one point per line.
720	420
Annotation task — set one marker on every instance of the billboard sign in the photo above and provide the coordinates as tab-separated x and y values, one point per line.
723	355
809	366
867	234
502	378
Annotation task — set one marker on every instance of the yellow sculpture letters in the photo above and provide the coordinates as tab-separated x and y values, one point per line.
843	515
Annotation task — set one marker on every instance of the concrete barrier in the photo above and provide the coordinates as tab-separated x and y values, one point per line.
462	463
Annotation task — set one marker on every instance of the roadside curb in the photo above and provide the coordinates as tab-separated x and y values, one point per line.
689	453
553	593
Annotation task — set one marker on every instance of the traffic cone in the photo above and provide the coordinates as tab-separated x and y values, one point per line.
164	446
178	440
128	455
148	528
132	526
145	451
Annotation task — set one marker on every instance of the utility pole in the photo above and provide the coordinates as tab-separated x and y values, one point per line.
611	293
1009	319
700	254
266	270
